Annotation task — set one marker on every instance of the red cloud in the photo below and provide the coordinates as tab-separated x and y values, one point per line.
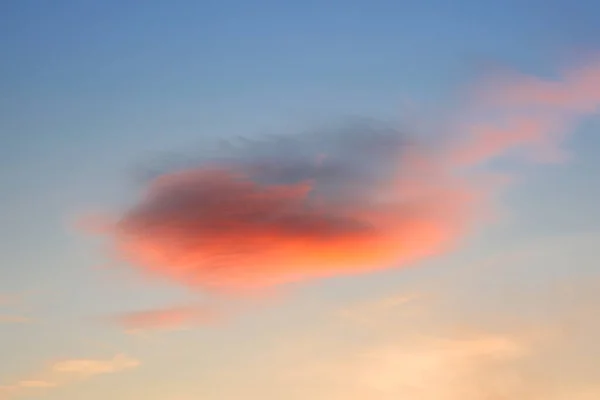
270	214
220	229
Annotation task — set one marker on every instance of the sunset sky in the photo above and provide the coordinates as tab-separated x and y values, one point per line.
324	200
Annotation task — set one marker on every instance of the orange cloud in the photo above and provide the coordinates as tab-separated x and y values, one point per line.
288	209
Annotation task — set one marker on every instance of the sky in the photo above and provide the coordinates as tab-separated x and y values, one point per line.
299	200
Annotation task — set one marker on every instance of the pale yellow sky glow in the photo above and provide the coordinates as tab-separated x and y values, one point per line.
299	200
421	340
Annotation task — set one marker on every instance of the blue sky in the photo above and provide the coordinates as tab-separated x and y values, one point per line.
92	91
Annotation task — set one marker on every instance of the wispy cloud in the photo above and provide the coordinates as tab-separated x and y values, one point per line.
35	384
68	371
90	367
433	368
174	318
521	113
371	312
